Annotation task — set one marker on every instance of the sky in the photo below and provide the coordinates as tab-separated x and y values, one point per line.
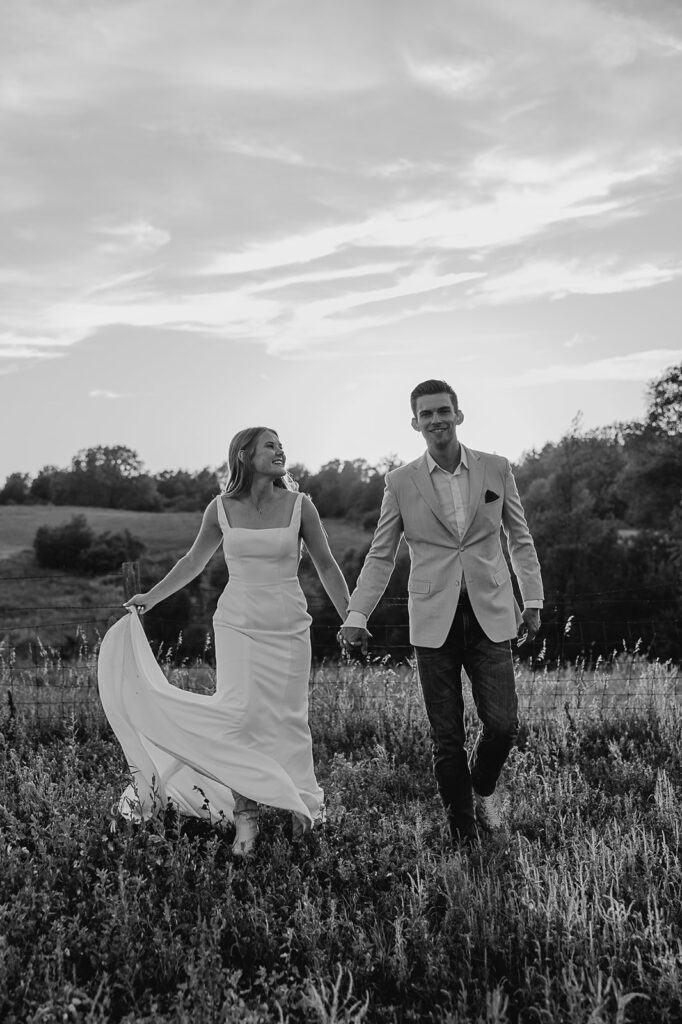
290	212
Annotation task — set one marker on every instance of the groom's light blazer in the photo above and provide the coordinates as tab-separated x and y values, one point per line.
440	557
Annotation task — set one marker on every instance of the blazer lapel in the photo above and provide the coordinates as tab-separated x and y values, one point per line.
476	480
424	484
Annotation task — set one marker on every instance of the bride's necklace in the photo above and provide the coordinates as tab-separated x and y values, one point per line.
258	507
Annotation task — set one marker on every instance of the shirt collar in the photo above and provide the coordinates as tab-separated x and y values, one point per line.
463	463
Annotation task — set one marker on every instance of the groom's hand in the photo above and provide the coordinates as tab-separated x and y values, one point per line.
529	627
353	638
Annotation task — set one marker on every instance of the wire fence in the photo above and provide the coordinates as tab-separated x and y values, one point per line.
575	666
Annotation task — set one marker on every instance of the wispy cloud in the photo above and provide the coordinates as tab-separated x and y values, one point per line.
313	277
335	317
452	78
636	366
310	181
294	180
26	352
105	393
524	198
554	279
277	153
289	250
137	236
34	346
577	340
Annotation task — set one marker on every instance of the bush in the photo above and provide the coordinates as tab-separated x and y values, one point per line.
108	550
61	547
75	547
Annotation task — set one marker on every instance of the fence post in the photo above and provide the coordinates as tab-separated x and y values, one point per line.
130	572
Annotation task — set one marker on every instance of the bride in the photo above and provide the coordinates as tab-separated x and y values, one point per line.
249	743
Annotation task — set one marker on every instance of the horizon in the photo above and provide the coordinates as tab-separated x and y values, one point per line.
292	214
312	470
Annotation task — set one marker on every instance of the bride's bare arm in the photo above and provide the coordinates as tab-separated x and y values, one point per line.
315	540
187	567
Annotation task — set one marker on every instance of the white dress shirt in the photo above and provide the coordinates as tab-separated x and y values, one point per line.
452	490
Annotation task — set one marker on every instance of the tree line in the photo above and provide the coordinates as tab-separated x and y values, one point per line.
114	477
604	507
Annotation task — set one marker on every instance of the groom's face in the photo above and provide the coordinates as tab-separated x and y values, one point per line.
436	420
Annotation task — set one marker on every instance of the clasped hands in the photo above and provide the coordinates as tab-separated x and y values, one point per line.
356	638
353	638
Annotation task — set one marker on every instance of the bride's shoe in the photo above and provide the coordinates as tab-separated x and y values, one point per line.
246	824
299	828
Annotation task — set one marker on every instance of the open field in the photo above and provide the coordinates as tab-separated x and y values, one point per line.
56	605
161	532
573	915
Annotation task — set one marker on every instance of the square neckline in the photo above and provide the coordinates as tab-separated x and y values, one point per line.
260	529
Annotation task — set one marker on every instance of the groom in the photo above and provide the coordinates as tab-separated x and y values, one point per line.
450	504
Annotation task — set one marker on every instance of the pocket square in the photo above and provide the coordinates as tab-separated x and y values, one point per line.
490	496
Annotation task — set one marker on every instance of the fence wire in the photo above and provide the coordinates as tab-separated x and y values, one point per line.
560	671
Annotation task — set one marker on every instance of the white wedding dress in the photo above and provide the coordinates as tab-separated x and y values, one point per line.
252	734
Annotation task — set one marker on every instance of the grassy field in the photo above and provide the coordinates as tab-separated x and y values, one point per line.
573	915
56	606
162	532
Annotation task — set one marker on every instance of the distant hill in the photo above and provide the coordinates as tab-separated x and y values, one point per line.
52	605
161	532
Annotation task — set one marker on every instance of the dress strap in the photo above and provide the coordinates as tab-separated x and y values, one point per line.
296	514
222	515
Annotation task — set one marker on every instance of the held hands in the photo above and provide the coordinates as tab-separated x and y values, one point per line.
353	639
529	627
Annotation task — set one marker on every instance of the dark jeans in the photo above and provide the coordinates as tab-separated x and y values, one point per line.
490	669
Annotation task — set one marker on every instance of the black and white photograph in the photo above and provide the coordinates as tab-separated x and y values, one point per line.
340	512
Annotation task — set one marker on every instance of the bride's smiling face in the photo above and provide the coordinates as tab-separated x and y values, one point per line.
268	457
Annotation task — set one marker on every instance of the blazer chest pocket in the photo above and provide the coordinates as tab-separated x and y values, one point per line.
492	508
418	586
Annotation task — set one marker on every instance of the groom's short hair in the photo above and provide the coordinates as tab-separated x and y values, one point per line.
432	387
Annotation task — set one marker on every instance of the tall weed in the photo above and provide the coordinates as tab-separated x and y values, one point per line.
573	914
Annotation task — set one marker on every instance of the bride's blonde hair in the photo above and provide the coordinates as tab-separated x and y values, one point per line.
241	471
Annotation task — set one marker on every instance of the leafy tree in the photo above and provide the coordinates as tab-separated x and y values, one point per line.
664	413
177	624
651	480
652	476
645	596
597	458
16	490
348	489
51	485
116	461
183	491
111	477
575	536
138	494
